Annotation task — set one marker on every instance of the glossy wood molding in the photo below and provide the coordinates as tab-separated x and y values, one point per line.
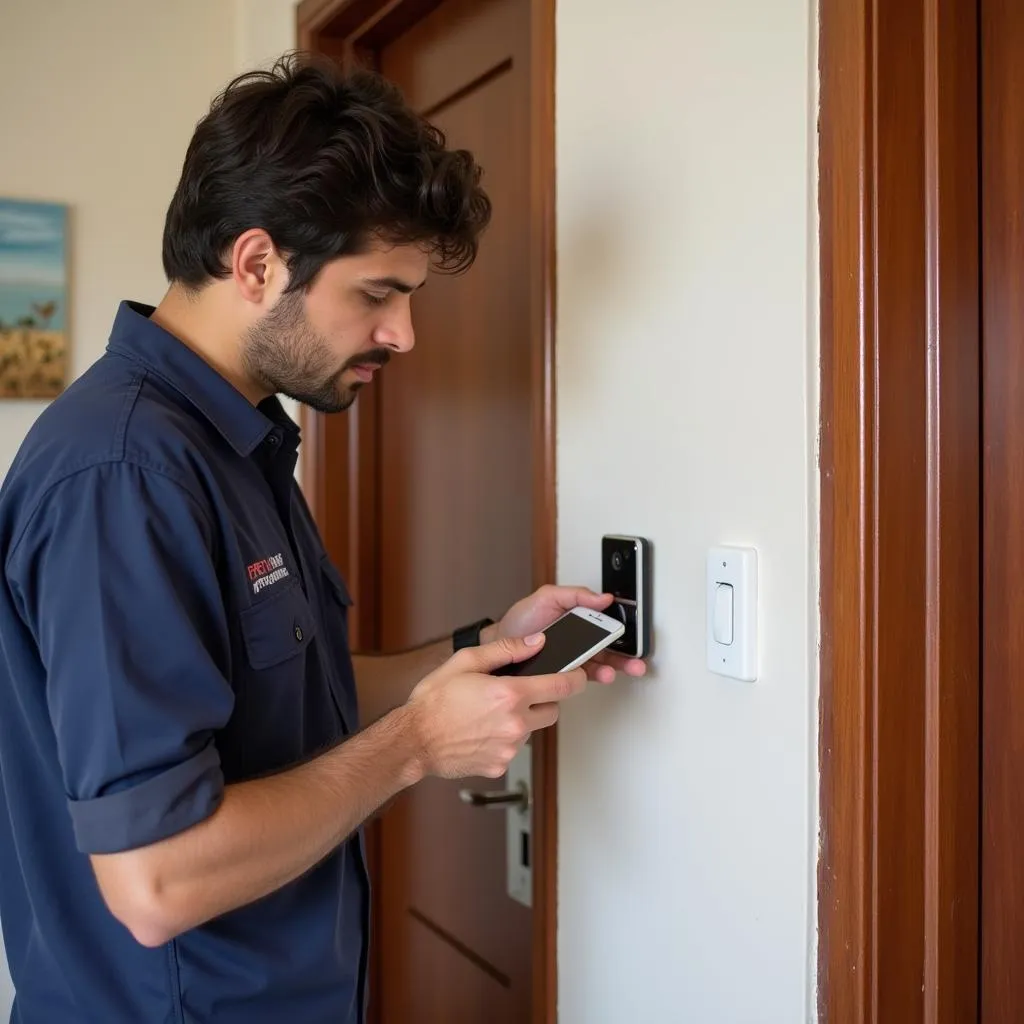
545	533
1002	893
900	603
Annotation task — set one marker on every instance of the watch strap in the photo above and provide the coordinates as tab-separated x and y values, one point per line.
469	636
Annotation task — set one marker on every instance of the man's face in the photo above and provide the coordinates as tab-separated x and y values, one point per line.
320	347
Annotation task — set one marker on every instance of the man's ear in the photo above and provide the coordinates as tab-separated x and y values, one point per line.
257	268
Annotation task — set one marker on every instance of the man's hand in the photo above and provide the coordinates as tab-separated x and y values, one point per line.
542	607
471	723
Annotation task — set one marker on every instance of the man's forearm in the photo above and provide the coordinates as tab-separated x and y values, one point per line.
384	681
265	833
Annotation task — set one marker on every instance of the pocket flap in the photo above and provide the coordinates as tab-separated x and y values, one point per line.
278	628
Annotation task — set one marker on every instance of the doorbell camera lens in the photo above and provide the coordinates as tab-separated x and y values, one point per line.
617	561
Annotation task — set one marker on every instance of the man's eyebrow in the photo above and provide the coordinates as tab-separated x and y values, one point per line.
394	283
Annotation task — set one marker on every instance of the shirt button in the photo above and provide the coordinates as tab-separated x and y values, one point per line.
298	633
273	440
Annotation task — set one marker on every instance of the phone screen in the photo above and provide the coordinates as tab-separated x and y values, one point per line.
567	639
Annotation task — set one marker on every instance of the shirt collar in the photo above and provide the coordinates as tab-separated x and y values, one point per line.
243	425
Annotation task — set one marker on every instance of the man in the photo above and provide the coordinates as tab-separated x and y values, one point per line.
183	772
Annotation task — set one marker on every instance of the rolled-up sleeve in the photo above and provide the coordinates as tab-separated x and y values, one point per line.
116	574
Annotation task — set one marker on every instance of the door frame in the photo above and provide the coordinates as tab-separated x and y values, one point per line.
339	475
898	882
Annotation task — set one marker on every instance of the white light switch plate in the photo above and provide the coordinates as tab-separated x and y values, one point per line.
736	567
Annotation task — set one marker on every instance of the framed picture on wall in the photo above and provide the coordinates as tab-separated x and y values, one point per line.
33	299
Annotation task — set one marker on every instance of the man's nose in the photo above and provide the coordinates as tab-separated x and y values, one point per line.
396	332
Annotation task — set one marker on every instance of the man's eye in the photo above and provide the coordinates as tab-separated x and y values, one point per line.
375	299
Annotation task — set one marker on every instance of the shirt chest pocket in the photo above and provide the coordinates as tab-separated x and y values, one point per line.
282	712
278	628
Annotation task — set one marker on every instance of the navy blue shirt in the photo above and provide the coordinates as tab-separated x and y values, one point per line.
169	623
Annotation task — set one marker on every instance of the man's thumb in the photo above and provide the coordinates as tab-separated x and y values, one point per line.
506	651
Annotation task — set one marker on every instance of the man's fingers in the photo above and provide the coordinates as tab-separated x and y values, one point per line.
552	688
568	598
490	657
630	666
542	716
601	673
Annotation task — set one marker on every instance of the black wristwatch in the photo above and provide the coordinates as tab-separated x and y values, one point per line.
469	636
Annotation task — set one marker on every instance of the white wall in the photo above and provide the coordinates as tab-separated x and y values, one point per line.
265	29
107	95
687	348
111	92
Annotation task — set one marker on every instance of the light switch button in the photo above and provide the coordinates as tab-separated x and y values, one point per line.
723	614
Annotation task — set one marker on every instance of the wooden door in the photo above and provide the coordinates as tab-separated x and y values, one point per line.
435	494
1002	246
456	478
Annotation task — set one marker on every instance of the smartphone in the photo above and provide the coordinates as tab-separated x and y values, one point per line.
570	641
626	575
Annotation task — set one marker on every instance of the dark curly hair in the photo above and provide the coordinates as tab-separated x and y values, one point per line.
325	162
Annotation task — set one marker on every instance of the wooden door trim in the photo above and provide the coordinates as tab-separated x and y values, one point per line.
344	29
1002	896
544	975
900	512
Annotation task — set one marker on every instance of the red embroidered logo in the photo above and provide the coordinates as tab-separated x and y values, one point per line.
267	571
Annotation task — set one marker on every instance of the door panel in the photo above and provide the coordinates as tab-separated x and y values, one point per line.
454	882
468	993
1002	897
456	504
456	469
452	50
445	868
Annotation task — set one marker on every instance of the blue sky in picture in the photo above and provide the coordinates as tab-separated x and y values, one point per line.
32	261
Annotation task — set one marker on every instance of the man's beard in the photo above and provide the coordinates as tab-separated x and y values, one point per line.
286	356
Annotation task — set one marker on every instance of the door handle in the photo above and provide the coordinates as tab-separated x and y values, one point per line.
501	799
